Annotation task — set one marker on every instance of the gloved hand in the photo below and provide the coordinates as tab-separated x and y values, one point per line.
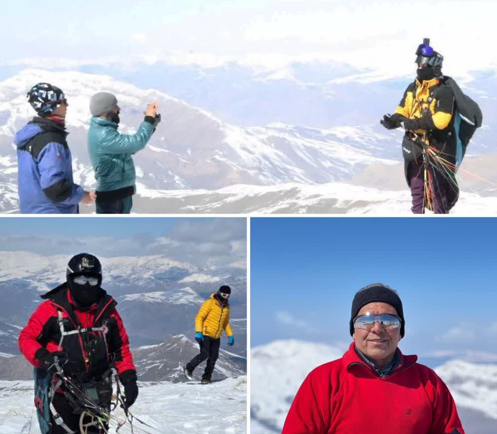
157	120
425	122
231	341
200	336
129	381
390	122
46	359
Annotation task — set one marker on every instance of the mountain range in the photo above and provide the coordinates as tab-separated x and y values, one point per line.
195	154
157	297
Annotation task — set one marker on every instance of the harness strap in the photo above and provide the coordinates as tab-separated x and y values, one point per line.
74	332
59	421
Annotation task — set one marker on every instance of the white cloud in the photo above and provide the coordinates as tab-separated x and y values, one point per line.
287	318
465	333
139	37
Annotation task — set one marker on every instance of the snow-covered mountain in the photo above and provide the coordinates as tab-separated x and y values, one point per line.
157	297
331	198
165	407
195	155
279	368
191	148
165	362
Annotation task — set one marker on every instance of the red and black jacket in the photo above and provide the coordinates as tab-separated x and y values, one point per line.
347	396
90	353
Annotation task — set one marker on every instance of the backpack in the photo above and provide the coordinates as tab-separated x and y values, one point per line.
467	118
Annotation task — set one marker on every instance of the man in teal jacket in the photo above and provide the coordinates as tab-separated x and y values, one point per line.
110	152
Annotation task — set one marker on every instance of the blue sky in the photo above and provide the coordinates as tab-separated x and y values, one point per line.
305	272
358	32
201	241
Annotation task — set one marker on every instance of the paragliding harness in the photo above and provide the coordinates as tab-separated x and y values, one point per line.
467	117
91	400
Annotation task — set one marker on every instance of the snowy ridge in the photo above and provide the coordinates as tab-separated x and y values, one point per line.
178	296
41	270
286	363
166	361
293	198
472	385
169	408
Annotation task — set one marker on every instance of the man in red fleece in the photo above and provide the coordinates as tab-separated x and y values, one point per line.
77	333
374	388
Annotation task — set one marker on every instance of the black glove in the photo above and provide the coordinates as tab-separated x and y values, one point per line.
157	120
390	122
128	380
47	359
425	122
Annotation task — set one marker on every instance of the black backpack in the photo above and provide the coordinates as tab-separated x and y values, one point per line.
467	117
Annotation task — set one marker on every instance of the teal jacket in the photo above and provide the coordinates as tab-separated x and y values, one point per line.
110	153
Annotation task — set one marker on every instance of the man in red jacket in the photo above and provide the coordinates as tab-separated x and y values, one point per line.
73	340
374	388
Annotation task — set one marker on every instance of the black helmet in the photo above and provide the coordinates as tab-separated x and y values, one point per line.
84	263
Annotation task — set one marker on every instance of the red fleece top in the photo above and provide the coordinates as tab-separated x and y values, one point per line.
347	397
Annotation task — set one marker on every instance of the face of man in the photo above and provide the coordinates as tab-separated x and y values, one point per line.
61	110
379	343
113	115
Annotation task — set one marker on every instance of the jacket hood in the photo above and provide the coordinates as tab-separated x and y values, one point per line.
35	127
26	133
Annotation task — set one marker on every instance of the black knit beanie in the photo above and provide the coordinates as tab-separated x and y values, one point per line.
377	292
225	289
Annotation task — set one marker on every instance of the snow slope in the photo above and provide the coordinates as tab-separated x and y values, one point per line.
169	408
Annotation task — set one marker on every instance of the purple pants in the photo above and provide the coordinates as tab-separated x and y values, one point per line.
415	174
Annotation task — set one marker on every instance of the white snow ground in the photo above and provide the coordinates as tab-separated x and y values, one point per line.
169	408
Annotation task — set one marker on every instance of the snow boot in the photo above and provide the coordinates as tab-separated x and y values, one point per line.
205	380
188	372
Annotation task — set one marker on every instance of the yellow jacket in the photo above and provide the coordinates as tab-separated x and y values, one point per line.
428	95
213	318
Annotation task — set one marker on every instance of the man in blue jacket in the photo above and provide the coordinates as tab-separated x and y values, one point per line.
110	152
45	179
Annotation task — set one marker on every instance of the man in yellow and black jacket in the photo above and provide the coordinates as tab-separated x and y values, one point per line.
212	318
426	113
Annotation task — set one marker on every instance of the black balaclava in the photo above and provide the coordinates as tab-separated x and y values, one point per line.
427	73
84	295
224	289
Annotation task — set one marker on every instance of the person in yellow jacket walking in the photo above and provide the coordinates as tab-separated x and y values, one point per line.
212	318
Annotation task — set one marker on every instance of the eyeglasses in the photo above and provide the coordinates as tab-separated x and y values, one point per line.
83	280
386	320
224	295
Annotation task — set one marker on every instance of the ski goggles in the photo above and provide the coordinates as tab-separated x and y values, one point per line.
428	56
83	280
225	295
386	320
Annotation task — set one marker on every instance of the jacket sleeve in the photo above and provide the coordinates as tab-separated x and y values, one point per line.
202	315
52	165
29	337
444	106
445	418
405	106
115	143
227	328
119	346
305	415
